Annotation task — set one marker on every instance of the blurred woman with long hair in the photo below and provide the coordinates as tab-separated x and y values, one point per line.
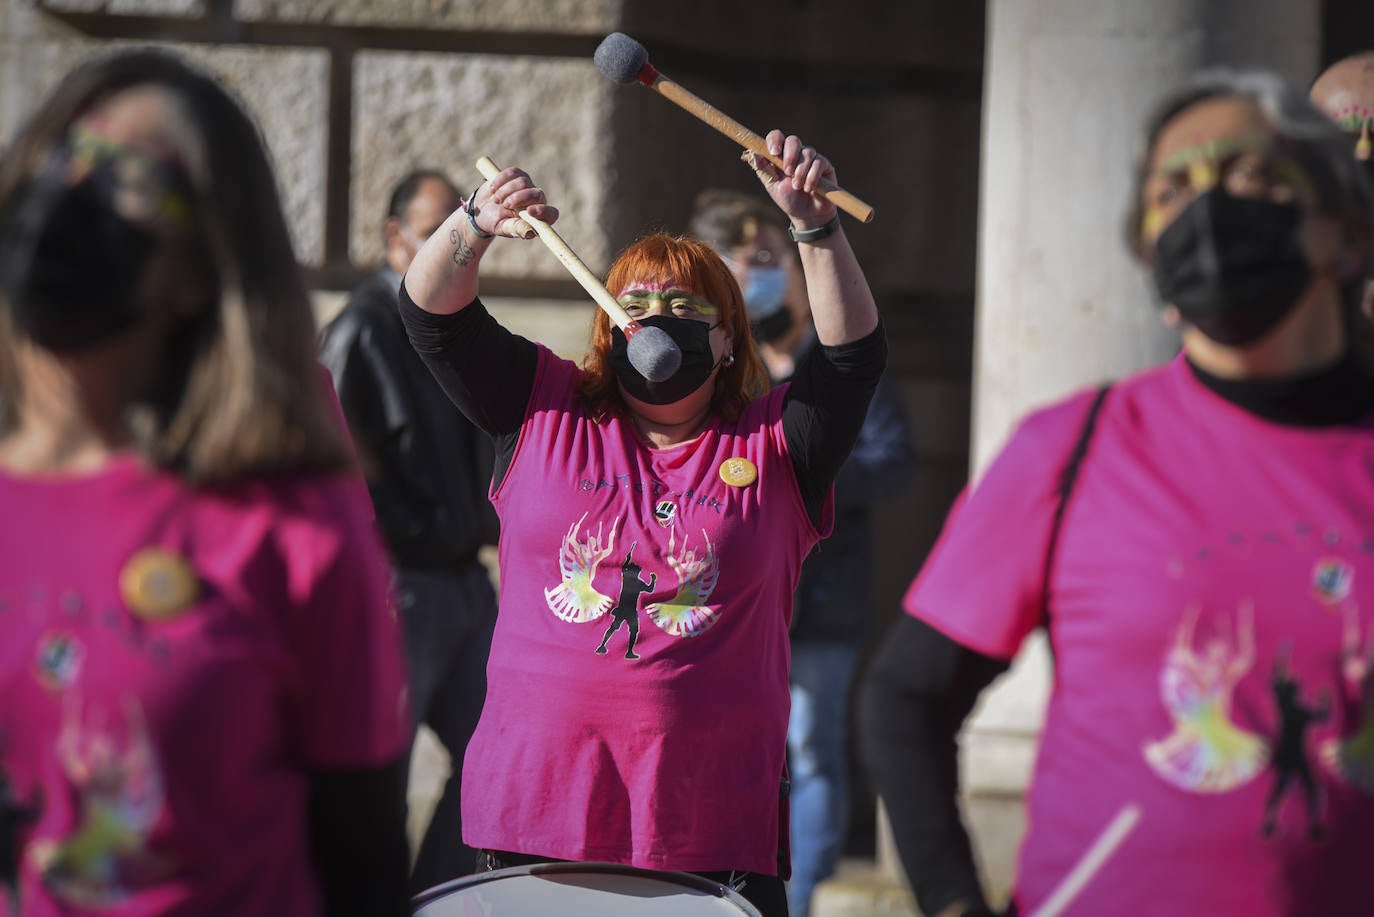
201	688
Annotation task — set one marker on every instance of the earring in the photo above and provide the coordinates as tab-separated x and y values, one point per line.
729	360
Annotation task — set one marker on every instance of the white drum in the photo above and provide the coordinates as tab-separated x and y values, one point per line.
581	890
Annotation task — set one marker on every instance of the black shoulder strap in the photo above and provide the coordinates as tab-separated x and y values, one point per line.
1068	476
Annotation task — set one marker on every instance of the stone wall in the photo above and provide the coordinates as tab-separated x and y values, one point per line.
547	116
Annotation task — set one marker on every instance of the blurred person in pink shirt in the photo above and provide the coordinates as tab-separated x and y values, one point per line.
1197	541
202	693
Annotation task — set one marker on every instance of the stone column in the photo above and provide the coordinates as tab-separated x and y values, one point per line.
1060	304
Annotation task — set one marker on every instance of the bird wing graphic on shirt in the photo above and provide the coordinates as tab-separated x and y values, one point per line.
687	613
576	599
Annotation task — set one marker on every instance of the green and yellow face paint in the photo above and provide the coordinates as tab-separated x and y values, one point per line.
141	186
1203	166
639	301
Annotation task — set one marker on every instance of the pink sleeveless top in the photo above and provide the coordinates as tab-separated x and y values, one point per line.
665	749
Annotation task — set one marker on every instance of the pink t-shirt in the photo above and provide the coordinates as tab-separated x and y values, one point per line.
1212	619
173	664
673	759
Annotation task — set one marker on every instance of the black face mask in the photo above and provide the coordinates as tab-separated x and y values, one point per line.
693	338
1234	267
71	267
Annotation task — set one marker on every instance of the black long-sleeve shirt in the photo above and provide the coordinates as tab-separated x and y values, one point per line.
489	372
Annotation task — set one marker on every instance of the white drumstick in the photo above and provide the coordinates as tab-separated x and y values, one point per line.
1092	861
650	350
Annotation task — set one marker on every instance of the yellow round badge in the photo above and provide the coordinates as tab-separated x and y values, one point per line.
157	584
738	472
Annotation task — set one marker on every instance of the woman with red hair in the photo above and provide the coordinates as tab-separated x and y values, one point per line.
685	505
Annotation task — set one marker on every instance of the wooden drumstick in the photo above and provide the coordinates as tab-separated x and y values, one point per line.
650	349
1090	862
625	60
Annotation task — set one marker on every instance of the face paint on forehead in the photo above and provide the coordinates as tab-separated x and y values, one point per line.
87	136
1213	150
1206	170
644	289
139	184
145	120
652	286
669	294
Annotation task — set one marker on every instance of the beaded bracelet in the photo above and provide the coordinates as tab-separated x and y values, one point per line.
472	221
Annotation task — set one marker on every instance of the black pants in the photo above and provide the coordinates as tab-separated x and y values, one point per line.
448	619
768	894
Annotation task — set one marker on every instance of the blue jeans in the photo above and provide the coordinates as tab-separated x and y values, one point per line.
448	619
817	761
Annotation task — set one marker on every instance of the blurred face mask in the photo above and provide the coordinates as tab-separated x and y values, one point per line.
71	264
765	294
1233	267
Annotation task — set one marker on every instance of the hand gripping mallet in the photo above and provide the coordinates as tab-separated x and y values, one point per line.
624	60
650	350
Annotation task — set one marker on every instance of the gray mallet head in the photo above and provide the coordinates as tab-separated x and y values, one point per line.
620	57
653	353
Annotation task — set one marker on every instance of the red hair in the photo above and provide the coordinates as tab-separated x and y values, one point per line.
686	262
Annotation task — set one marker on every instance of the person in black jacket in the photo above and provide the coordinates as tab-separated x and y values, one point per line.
427	469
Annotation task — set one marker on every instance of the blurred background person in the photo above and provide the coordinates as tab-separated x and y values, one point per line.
1197	540
203	694
428	469
833	607
751	237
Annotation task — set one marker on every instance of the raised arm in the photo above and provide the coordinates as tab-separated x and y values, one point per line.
842	305
831	389
443	277
487	371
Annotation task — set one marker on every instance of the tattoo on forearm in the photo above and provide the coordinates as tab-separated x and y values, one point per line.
463	253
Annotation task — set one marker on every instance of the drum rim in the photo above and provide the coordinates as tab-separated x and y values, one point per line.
692	880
